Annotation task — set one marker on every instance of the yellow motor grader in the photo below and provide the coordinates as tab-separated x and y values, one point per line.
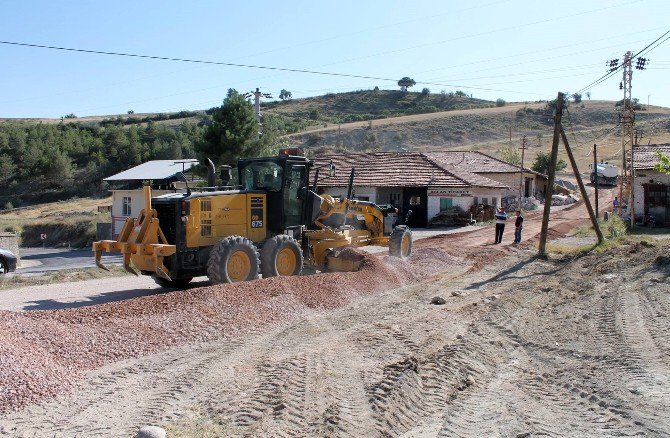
272	223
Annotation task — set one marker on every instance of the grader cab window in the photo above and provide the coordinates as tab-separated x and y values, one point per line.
266	176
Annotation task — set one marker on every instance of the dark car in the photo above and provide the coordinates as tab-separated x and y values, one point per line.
7	261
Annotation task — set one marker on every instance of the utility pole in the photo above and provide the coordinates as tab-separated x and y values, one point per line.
257	105
559	135
523	151
582	187
551	174
595	173
627	121
626	118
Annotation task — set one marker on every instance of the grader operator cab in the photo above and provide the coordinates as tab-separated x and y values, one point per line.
217	231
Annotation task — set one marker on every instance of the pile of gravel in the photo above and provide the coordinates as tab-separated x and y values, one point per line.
43	353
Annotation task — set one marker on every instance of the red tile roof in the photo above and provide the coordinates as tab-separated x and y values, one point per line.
396	169
477	162
646	157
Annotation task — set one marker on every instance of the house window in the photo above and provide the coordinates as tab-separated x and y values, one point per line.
363	198
475	201
126	202
494	202
485	201
206	227
446	203
394	198
415	201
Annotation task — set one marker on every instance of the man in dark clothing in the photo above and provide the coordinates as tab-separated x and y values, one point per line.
501	217
518	224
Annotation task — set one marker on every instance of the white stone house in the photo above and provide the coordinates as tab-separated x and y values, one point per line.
409	181
652	188
127	193
510	175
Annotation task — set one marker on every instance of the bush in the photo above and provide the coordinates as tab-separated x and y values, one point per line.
8	205
500	102
425	91
577	97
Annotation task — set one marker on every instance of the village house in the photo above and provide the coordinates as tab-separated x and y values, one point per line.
410	181
652	188
534	183
127	194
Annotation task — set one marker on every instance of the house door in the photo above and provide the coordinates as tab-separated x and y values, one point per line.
527	188
415	199
657	202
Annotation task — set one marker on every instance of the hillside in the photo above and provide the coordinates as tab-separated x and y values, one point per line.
489	130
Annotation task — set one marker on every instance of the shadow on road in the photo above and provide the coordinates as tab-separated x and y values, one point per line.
91	301
105	297
507	274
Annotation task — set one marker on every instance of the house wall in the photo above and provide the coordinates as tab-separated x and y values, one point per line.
136	205
645	177
463	198
359	191
512	180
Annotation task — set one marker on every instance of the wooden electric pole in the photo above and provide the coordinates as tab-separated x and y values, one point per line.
582	187
595	173
559	135
523	151
551	174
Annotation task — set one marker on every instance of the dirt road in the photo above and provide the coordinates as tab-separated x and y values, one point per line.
521	348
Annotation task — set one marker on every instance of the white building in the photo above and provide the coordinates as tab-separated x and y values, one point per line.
410	181
127	194
652	188
534	183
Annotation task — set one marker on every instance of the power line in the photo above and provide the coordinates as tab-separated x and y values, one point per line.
252	66
621	66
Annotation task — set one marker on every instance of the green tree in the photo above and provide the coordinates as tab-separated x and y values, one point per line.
406	83
541	163
231	132
500	102
510	154
664	164
285	95
425	91
7	170
577	97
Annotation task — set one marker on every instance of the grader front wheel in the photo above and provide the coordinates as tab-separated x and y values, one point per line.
400	242
233	259
281	256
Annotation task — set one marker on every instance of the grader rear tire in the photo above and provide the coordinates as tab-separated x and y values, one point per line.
233	259
400	242
281	256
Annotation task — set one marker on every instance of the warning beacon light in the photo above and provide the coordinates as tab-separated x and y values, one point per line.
299	152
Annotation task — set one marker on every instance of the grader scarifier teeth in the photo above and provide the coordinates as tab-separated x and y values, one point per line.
142	243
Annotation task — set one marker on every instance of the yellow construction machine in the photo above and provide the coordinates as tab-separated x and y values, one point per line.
272	224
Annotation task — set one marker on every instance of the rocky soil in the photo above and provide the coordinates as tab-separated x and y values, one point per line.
575	346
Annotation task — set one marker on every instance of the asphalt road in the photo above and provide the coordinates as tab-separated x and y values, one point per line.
41	260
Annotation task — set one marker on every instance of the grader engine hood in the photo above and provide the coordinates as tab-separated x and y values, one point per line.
141	241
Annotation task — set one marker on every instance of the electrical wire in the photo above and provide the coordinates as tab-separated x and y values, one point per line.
260	67
621	66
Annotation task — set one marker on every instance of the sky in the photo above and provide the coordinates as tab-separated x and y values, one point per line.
516	50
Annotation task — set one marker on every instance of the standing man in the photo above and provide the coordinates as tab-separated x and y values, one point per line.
518	225
501	217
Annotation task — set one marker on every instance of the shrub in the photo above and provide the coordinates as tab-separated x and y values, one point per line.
500	102
425	91
8	205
